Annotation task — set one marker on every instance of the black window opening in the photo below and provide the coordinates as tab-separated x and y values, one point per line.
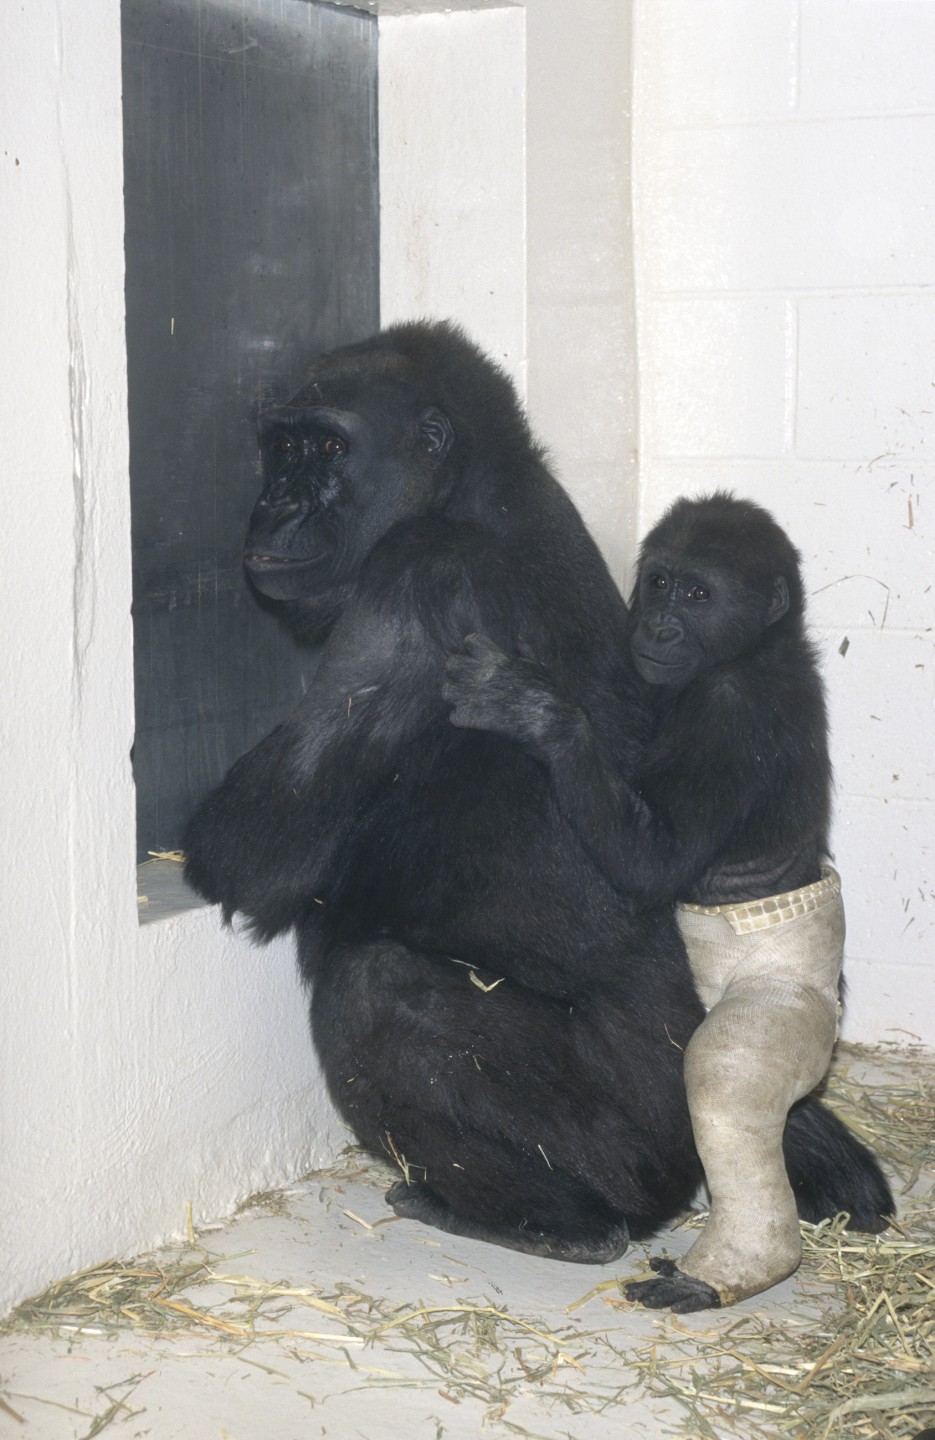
252	231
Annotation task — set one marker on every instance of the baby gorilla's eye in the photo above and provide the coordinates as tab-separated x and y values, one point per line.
699	592
331	447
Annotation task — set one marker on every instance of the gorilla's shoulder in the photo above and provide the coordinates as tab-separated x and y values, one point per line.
447	576
431	549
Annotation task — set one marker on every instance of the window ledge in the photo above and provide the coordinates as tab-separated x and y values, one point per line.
161	891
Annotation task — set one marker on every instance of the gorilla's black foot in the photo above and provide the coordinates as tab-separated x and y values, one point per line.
831	1171
672	1290
414	1201
591	1245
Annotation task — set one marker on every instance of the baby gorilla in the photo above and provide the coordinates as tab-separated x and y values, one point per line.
732	809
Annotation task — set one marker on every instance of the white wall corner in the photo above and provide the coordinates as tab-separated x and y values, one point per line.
505	204
581	303
139	1069
452	176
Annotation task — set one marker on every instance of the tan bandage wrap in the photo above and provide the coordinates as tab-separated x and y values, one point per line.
768	973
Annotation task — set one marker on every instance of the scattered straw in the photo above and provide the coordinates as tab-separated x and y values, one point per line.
852	1359
863	1367
873	1324
893	1114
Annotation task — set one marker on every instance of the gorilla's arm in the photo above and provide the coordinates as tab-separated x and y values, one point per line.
699	797
265	841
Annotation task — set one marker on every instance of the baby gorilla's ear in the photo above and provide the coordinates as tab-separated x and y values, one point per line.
778	600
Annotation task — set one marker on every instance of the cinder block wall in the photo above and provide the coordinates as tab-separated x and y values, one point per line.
785	259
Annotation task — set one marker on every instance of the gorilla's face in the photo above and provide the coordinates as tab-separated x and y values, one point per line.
306	534
336	478
688	614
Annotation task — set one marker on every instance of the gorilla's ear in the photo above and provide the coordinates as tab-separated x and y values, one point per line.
778	600
436	436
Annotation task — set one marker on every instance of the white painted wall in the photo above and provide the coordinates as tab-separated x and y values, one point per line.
452	176
582	376
140	1069
505	197
785	253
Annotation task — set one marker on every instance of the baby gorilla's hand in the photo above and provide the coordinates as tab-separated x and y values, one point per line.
509	695
671	1290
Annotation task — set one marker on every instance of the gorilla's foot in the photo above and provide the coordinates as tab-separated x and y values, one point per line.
831	1171
596	1243
672	1290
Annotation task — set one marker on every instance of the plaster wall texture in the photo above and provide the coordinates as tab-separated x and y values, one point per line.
452	176
504	202
785	264
581	323
140	1069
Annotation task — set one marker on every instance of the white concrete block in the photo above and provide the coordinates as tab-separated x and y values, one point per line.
867	534
576	404
607	508
888	1002
881	701
765	481
713	376
867	55
839	203
580	316
866	380
716	61
452	176
884	851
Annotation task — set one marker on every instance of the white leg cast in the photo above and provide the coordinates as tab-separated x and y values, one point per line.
765	1043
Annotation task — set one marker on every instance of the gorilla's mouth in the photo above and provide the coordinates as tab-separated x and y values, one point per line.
660	672
280	562
282	576
659	664
285	577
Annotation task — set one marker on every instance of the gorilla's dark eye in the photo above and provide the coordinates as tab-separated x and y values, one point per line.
331	447
699	592
659	582
284	446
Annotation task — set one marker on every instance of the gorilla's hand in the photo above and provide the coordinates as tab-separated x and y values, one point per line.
510	695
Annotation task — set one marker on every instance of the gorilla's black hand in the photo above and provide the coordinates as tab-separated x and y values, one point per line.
671	1290
511	695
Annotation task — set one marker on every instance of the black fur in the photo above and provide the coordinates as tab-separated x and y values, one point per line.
732	797
486	1006
736	781
733	794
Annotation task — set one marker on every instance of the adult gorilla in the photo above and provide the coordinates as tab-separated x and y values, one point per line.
486	1008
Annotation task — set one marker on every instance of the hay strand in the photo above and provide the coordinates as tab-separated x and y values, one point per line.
854	1359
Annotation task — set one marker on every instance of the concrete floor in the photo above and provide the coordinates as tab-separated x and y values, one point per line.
318	1313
